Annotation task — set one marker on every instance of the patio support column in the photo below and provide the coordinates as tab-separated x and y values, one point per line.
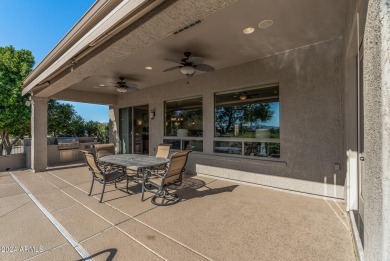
114	127
376	82
38	134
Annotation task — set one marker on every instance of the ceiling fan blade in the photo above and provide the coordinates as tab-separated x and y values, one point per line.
205	67
195	60
172	68
132	89
172	60
132	86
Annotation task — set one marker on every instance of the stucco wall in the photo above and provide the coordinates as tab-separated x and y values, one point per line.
311	118
12	162
377	131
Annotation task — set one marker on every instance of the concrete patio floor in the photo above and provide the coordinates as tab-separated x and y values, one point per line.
216	220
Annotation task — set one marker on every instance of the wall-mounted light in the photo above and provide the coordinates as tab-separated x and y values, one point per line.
28	103
152	114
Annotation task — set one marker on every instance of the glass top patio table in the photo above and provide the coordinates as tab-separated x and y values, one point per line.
134	160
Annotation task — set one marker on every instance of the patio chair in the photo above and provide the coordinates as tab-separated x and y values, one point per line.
163	151
102	150
173	175
103	176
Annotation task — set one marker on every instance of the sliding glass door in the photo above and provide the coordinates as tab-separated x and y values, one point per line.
134	130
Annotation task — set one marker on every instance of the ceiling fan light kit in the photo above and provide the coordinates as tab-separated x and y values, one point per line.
121	89
243	96
123	86
189	64
187	70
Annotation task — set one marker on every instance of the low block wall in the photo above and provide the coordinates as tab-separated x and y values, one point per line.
12	162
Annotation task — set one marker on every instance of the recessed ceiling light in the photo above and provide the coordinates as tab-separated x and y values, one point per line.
148	68
265	24
101	85
248	30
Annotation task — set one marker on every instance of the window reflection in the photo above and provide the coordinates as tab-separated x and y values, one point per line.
248	114
247	122
183	118
175	143
229	147
262	149
194	145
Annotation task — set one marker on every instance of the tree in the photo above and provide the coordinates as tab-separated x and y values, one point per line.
15	65
91	128
63	120
103	131
97	129
227	116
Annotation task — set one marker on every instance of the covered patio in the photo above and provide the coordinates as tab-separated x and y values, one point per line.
216	220
289	95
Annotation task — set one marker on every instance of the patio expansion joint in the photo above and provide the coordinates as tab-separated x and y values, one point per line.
79	249
17	195
96	234
46	251
139	221
15	209
337	215
60	209
108	221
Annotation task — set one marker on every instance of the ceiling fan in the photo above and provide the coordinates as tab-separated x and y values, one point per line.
122	86
244	96
189	64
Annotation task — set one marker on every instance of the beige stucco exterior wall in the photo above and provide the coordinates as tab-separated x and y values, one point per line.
376	88
13	161
311	119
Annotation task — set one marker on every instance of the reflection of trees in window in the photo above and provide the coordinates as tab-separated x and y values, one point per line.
226	117
247	122
249	113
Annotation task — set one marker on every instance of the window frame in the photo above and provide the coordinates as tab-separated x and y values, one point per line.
245	140
186	138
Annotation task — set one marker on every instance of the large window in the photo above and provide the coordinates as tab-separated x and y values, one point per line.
184	123
247	122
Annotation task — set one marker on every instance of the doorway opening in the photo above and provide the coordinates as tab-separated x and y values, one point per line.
134	130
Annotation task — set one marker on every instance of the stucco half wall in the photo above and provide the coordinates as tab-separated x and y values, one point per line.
12	162
311	118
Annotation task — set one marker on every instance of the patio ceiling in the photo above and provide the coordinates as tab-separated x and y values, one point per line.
218	38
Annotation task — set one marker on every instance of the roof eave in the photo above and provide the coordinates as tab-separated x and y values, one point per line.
65	52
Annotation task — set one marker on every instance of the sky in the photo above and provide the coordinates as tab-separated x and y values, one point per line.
38	25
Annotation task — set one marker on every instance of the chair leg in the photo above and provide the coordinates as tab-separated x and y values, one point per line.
143	190
115	184
101	197
90	190
127	183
